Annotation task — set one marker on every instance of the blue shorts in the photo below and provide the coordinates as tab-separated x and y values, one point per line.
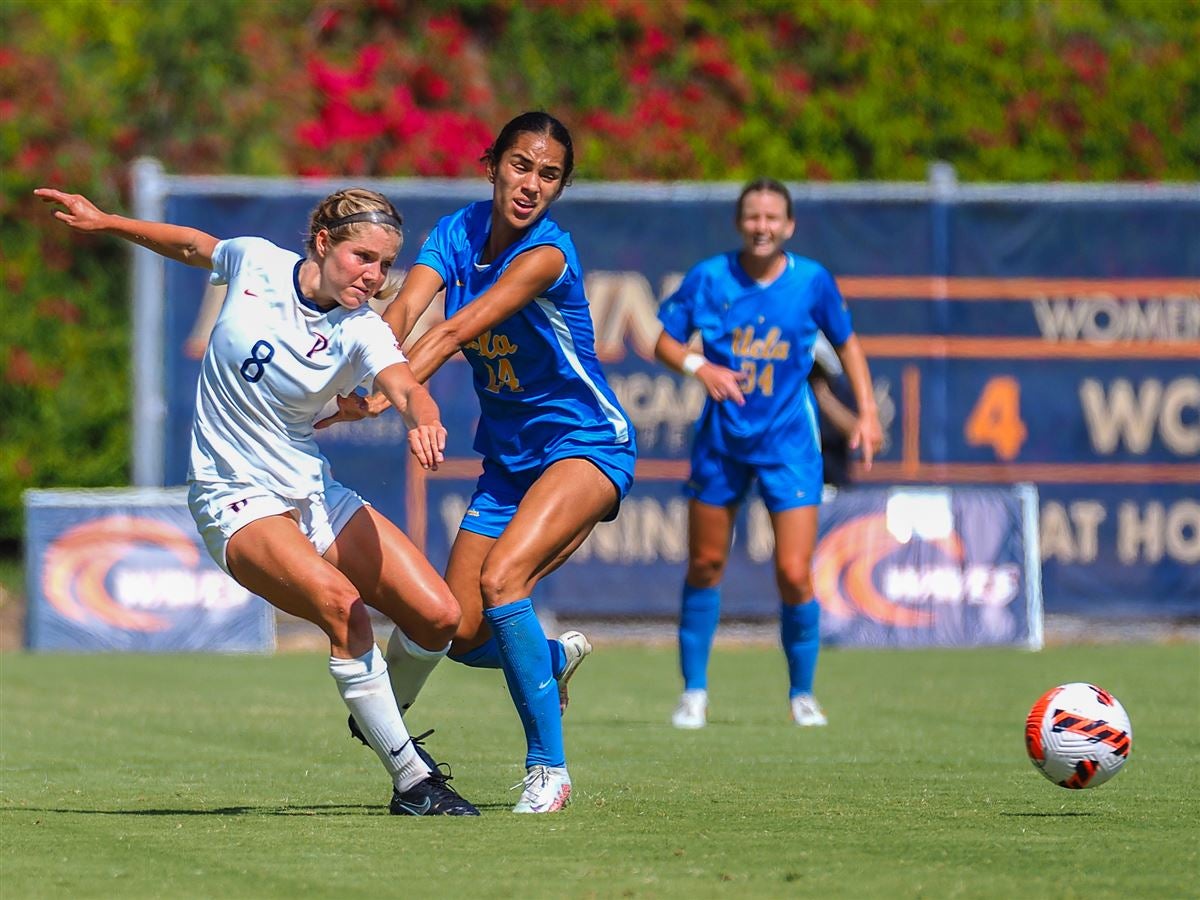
499	491
720	480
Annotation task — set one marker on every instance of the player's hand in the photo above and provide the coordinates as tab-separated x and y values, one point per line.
428	444
867	435
722	384
80	212
353	408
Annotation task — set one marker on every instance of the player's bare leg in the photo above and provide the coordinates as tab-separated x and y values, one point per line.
799	629
557	512
473	644
399	581
710	530
274	560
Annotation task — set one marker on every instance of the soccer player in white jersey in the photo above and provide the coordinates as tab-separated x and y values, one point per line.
558	450
294	332
758	311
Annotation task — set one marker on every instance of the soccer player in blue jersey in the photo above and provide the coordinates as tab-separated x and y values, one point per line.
558	450
757	311
295	332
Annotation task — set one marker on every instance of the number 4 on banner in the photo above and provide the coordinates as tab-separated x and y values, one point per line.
996	418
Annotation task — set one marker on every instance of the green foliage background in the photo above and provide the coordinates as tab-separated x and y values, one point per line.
670	89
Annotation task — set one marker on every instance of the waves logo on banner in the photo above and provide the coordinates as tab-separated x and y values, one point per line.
79	568
848	561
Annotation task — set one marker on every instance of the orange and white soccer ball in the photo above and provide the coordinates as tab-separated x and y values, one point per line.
1078	735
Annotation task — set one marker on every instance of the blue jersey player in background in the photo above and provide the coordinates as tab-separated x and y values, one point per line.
558	450
758	311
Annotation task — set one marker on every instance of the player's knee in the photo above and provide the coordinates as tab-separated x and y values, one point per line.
795	579
443	619
346	620
501	582
705	570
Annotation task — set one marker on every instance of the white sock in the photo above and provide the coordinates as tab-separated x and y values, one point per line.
409	665
364	686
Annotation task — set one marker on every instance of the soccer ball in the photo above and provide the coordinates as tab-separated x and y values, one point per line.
1078	735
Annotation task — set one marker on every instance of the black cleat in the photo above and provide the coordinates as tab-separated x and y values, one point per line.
431	797
417	743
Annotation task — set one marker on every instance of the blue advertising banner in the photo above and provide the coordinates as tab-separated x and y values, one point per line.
894	567
915	566
1017	335
125	570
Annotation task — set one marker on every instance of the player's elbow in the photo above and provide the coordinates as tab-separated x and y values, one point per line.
198	250
450	336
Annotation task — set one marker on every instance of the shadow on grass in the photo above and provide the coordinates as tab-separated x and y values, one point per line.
328	809
1066	814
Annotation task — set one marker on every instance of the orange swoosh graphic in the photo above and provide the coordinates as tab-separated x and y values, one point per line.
845	561
78	563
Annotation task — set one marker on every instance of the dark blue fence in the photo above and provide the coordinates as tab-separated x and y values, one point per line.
1016	334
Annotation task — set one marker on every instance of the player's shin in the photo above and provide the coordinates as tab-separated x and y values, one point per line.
527	669
800	634
700	611
364	685
487	656
409	666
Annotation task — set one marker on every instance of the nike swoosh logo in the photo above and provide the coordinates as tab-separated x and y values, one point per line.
416	810
250	293
545	684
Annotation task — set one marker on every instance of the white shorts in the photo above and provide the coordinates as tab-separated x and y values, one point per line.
221	509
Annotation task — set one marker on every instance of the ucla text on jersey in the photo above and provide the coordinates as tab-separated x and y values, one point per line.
766	332
542	393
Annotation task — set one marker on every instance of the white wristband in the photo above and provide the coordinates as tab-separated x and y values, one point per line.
692	363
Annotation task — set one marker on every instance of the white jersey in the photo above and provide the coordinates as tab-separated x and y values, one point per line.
273	361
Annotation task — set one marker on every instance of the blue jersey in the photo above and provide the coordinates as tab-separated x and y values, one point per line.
541	391
767	333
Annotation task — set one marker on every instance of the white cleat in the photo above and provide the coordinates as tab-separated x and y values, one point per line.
807	711
692	711
547	789
575	647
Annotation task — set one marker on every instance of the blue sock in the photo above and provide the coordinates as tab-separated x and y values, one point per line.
558	656
526	660
487	656
698	616
800	633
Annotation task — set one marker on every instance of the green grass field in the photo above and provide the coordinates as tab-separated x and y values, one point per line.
170	776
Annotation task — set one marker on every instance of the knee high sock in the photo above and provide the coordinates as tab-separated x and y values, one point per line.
487	656
800	634
365	688
526	661
409	665
698	617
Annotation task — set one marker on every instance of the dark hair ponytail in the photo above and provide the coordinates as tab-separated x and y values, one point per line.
535	122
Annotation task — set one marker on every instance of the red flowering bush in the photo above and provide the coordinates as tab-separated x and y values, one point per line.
1023	90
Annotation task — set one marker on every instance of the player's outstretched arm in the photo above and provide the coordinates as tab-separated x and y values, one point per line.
721	383
178	242
426	434
530	275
